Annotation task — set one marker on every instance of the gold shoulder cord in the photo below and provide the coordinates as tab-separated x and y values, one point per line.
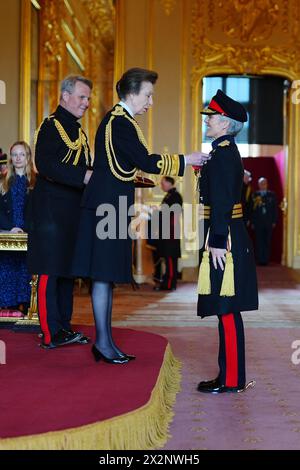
72	146
168	165
113	163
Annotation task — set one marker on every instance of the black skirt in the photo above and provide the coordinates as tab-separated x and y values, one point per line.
106	260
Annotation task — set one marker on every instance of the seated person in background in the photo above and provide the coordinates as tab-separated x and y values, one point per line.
3	164
263	219
14	192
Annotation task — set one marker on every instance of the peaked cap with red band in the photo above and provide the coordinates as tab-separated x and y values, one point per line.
226	106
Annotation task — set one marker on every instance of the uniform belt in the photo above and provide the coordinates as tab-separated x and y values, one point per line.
237	211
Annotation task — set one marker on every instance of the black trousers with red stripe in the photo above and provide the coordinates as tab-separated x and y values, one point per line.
169	280
55	304
232	350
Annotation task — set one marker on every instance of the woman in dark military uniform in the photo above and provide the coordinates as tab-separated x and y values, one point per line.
227	275
120	150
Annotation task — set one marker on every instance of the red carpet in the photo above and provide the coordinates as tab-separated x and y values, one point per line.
51	390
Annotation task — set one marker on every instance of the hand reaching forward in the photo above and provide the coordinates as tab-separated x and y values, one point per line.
197	158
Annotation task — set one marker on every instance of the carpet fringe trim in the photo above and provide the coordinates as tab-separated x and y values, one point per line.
145	428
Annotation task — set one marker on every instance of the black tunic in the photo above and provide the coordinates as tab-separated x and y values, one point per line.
171	247
119	150
220	188
55	203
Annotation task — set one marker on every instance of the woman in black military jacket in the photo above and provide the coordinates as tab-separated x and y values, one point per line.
222	292
120	150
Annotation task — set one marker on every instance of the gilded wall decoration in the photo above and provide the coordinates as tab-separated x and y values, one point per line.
102	17
249	20
239	38
168	6
76	37
52	40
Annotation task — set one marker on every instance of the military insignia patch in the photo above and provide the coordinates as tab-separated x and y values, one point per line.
224	143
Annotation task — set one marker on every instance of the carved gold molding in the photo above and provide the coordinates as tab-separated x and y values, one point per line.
13	241
25	72
52	38
119	59
102	17
168	6
150	47
18	242
247	38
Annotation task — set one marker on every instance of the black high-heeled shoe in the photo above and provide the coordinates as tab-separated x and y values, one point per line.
129	356
115	360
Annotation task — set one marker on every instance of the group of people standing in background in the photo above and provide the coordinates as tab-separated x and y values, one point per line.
260	214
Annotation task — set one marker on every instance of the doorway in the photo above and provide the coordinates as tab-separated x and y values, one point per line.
262	143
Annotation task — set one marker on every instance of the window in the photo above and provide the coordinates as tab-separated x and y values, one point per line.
237	88
262	96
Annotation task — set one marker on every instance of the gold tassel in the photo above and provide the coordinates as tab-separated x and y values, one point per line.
204	287
227	288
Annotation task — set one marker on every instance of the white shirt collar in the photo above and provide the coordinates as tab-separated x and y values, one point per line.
125	106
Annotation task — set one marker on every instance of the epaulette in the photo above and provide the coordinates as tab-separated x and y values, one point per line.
118	111
77	146
224	143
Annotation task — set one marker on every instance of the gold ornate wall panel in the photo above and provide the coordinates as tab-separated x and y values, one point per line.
253	36
75	37
168	6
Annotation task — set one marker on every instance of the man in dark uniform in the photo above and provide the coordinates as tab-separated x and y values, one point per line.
227	274
263	218
169	246
63	162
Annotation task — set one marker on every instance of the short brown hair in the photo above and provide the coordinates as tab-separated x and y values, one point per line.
132	79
